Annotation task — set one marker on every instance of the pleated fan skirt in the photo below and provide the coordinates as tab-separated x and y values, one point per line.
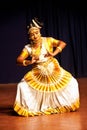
47	89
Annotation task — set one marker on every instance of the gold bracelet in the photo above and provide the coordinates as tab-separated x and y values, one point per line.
24	63
60	49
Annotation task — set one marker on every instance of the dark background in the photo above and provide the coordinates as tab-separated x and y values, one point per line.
64	20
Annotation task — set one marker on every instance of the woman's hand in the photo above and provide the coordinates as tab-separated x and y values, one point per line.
55	52
29	62
49	54
34	59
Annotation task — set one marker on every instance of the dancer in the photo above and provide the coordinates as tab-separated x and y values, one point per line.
47	88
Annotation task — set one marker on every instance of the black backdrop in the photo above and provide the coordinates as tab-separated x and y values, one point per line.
63	20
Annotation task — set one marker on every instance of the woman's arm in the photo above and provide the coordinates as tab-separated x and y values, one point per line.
59	46
22	58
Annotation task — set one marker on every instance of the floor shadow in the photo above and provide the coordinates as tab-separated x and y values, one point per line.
7	110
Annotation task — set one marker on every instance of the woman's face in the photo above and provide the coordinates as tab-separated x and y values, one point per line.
34	35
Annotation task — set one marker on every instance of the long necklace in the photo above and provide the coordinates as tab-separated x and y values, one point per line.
36	49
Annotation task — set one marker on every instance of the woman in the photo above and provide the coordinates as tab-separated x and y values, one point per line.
47	88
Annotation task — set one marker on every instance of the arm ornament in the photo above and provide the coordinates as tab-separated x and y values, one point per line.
60	49
24	63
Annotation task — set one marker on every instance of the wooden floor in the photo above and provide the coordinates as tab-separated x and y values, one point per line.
66	121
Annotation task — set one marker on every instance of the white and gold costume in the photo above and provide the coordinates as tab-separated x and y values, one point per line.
47	88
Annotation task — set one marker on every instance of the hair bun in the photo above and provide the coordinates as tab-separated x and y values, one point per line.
38	22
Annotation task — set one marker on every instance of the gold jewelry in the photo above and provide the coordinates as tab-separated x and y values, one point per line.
24	63
60	49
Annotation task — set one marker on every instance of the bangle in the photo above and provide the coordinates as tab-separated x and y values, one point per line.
24	63
60	49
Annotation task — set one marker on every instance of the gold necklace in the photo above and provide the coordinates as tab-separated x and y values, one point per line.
36	49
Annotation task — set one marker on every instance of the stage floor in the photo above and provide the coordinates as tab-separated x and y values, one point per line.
66	121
